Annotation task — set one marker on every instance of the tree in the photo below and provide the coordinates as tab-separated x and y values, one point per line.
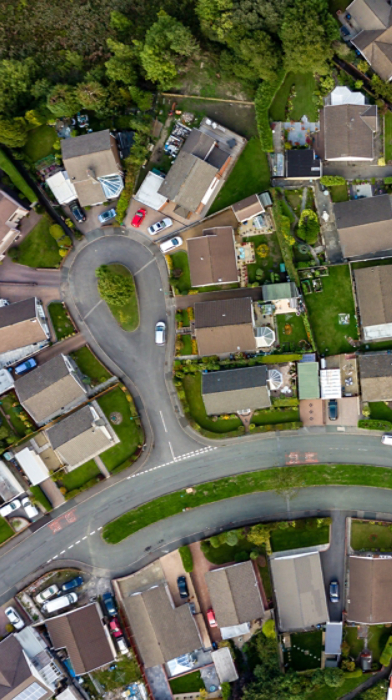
348	665
13	132
121	66
268	629
120	23
333	677
260	54
56	231
142	99
260	536
226	690
91	95
62	101
115	289
309	227
307	33
35	118
15	81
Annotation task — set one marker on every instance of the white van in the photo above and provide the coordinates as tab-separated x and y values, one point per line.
59	603
386	439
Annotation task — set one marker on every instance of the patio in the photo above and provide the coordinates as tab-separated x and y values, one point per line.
299	133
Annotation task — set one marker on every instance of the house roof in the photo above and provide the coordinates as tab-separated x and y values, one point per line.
364	225
87	158
369	600
16	676
302	163
374	291
342	95
199	144
370	14
33	466
248	208
19	325
188	180
224	664
223	312
62	187
161	632
224	326
235	594
87	144
308	380
212	257
348	131
232	390
225	339
279	290
77	437
375	369
333	638
48	389
299	590
83	634
376	46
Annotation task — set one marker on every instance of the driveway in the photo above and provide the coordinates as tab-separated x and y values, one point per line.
329	231
333	563
200	567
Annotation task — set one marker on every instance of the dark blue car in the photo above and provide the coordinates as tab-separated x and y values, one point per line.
73	583
109	604
334	591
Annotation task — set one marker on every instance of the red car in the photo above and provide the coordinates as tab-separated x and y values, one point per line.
211	618
138	218
115	627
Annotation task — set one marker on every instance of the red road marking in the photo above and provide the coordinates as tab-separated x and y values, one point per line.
311	458
62	521
293	458
55	526
71	516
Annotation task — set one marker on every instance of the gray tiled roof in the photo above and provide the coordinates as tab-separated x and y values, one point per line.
234	379
357	212
370	595
224	312
86	144
235	594
17	312
15	673
232	390
70	427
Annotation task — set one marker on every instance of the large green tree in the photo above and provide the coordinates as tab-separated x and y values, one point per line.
62	101
16	78
91	95
121	67
309	227
115	289
307	33
13	132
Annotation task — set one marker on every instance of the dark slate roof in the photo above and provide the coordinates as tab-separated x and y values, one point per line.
41	378
17	312
302	163
86	144
198	143
234	379
375	364
225	312
357	212
68	428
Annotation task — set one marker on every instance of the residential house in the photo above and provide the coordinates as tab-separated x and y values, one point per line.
303	164
235	390
52	389
212	257
85	637
225	326
369	597
19	678
62	187
248	208
32	465
375	371
283	296
299	590
12	212
148	192
93	164
373	287
346	133
23	330
9	484
235	598
308	378
37	651
81	436
373	21
364	226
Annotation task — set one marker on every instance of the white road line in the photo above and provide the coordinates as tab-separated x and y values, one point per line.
84	538
92	533
70	546
163	421
93	309
144	267
171	450
56	557
100	528
78	542
49	560
128	477
63	552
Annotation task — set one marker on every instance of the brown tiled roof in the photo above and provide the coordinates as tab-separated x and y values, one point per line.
82	633
371	14
370	595
235	594
88	157
376	46
375	370
374	293
224	312
212	257
15	674
19	326
225	339
364	225
247	208
346	134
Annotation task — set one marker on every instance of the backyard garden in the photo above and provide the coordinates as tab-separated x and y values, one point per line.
301	86
291	333
90	366
62	324
268	258
367	535
376	640
39	248
120	410
305	651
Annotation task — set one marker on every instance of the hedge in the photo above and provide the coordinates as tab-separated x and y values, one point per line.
387	180
386	655
332	180
287	401
16	178
372	424
294	425
271	359
187	559
263	99
40	497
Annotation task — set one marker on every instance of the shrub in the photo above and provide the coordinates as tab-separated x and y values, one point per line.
262	250
386	655
63	252
263	100
371	424
309	227
231	538
331	180
333	677
14	253
187	559
66	241
286	401
272	359
113	288
56	231
388	180
241	556
268	629
215	541
226	691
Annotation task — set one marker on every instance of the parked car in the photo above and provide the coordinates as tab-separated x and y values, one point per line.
64	601
109	604
138	218
332	409
386	440
160	333
334	591
14	618
9	508
211	618
73	583
77	212
192	608
25	366
46	594
106	216
122	645
115	628
160	226
31	511
172	243
182	587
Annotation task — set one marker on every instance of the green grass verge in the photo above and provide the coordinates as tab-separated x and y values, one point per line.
129	430
229	487
187	558
271	416
250	175
388	137
62	324
90	366
366	535
40	497
128	315
40	142
78	477
16	178
192	388
191	683
39	248
306	533
324	308
301	642
267	264
186	345
14	414
6	530
293	341
181	262
302	103
380	411
339	193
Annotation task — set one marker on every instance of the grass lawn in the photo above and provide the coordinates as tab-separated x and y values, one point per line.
351	637
377	639
192	388
126	671
187	345
268	264
15	177
62	324
294	198
40	497
380	411
250	175
271	416
306	533
129	430
302	103
6	530
388	136
339	193
40	142
292	340
79	476
324	307
180	262
252	482
39	249
327	693
191	683
304	641
224	554
368	536
90	366
128	315
14	413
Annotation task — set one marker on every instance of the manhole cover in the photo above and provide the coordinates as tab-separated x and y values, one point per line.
116	418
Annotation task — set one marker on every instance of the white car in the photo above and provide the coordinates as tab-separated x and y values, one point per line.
9	508
160	333
160	226
170	244
386	439
46	594
14	618
31	511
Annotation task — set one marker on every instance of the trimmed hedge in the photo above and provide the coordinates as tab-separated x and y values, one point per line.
332	180
371	424
271	359
263	99
187	559
387	180
287	401
294	425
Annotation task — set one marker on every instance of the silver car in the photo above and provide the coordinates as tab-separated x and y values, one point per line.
160	226
106	216
160	333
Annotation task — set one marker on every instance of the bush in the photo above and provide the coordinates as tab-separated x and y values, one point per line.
333	677
113	288
14	253
386	655
272	359
226	691
39	497
387	180
309	227
231	538
371	424
56	231
287	401
187	559
268	629
66	241
215	541
263	100
332	180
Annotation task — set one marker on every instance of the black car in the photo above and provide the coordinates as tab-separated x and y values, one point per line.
332	409
77	211
182	587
